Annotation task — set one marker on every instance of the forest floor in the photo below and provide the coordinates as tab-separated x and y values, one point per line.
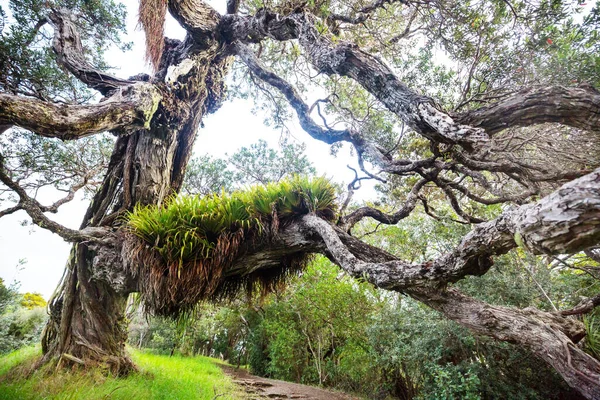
257	388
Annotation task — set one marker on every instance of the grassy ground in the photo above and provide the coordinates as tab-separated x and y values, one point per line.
160	377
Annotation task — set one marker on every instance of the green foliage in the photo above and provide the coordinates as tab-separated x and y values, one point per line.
257	164
8	295
592	327
27	62
205	175
32	300
160	377
22	317
188	227
261	164
330	330
21	327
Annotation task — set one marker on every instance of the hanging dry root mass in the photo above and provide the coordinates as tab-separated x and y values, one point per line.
184	251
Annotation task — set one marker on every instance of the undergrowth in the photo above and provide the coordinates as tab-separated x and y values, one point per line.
160	377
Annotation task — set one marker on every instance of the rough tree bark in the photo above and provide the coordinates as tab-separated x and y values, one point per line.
156	118
157	127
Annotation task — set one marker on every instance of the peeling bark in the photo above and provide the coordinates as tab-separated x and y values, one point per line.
87	312
69	51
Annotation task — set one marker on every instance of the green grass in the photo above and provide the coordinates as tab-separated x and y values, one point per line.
160	377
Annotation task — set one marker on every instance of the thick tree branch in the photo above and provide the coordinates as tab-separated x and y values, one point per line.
197	17
552	104
347	59
566	221
578	107
70	54
550	336
132	106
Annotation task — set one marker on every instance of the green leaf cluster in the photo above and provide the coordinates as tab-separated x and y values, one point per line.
188	227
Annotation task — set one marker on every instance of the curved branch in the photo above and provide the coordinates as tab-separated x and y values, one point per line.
578	107
10	210
583	307
196	17
132	106
346	59
565	221
36	212
411	201
69	50
550	336
328	136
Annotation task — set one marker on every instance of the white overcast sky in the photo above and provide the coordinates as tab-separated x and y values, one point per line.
230	128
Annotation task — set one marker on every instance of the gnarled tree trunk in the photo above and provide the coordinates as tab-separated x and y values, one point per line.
87	323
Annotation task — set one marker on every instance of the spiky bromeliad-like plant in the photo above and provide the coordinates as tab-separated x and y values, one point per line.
182	250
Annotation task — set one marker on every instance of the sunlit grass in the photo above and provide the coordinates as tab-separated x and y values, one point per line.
160	377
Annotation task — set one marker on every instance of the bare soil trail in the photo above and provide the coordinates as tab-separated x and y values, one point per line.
262	388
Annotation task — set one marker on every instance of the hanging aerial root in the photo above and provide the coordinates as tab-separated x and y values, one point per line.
170	288
152	14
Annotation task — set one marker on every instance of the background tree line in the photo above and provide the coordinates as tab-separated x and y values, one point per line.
22	316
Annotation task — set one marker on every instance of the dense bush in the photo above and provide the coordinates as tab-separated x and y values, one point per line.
22	318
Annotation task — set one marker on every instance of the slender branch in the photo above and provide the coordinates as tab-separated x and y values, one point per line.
364	12
10	210
409	205
36	212
328	136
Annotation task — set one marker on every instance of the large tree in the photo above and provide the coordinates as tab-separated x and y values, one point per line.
509	115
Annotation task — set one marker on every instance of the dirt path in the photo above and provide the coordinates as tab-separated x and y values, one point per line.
263	388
